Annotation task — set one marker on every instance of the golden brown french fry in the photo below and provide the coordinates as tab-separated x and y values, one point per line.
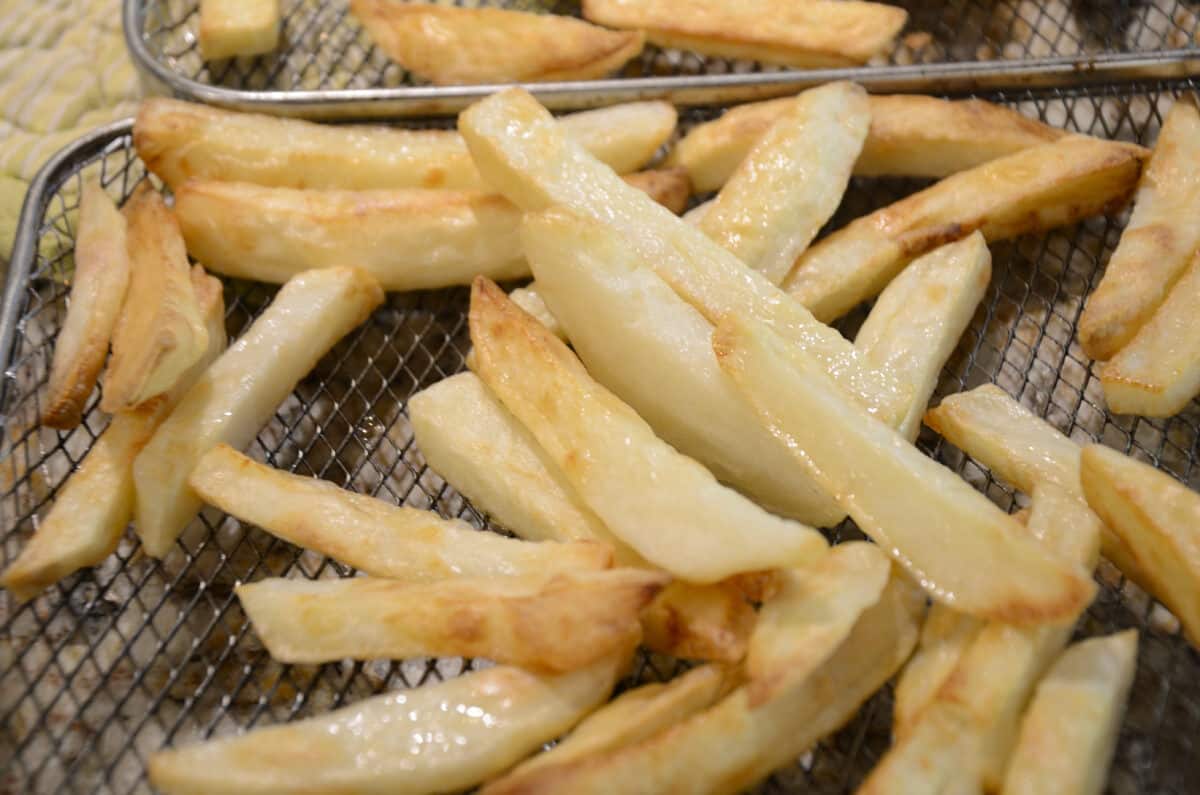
529	299
910	136
160	333
1070	729
1156	518
945	635
97	291
1037	188
670	187
496	717
699	622
702	532
921	316
94	507
235	397
371	535
455	46
1158	243
815	33
529	159
238	27
792	181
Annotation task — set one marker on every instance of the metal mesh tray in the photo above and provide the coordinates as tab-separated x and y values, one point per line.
326	66
115	662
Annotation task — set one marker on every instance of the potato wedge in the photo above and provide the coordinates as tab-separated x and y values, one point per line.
699	622
702	532
792	181
307	316
371	535
945	636
458	46
529	299
1070	729
230	28
529	159
1158	243
496	717
910	136
101	276
816	33
1035	189
963	550
160	333
921	316
1156	518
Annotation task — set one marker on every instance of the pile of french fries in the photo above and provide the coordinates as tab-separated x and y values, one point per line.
662	418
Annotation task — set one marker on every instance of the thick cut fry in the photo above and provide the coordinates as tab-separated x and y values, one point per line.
792	181
529	299
101	276
945	635
160	333
457	46
1035	189
815	33
963	550
1158	519
699	622
654	351
438	738
701	531
238	27
940	756
670	187
910	136
1070	729
919	319
527	157
236	396
94	507
1158	243
371	535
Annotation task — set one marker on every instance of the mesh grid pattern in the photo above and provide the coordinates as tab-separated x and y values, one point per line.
113	663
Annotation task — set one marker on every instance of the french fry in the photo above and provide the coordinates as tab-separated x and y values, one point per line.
910	136
238	27
654	351
457	46
945	635
792	181
702	532
94	507
101	276
529	299
670	187
817	33
963	550
1158	243
1155	516
1070	729
921	316
699	622
371	535
381	744
159	333
181	140
939	755
1035	189
528	158
235	397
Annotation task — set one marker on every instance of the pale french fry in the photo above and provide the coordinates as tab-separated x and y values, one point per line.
815	33
371	535
529	299
921	316
702	532
654	351
696	215
236	396
94	507
1158	243
1156	518
940	755
910	136
792	181
945	635
160	333
456	46
181	140
496	717
526	157
238	27
699	622
963	550
1035	189
1070	729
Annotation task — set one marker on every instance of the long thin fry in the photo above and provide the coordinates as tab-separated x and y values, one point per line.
945	636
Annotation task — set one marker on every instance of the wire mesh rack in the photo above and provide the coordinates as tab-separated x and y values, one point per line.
327	67
115	662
